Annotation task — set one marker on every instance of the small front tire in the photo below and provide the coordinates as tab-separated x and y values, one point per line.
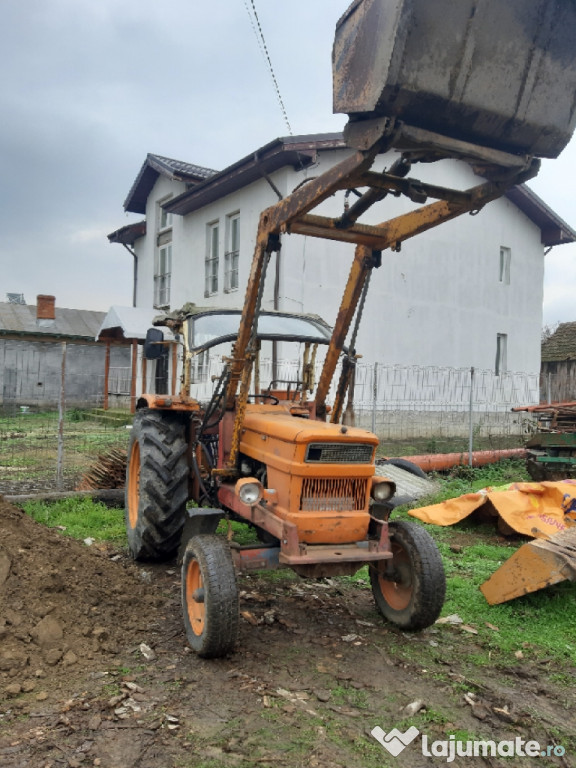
209	596
409	590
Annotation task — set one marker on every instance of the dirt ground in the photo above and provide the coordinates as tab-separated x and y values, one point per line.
95	671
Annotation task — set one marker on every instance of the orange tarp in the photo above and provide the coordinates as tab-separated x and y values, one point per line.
538	510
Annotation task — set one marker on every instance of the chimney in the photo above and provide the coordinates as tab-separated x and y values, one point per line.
45	309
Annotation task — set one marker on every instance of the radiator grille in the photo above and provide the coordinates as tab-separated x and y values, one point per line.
339	453
333	494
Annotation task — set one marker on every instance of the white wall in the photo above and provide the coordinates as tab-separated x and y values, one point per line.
437	302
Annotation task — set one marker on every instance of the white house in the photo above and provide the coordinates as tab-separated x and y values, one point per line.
467	293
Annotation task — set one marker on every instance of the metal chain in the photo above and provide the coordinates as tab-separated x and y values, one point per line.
360	311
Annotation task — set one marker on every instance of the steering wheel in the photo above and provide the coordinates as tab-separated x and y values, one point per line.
274	400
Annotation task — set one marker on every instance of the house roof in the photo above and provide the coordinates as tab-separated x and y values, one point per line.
155	166
561	345
554	230
298	151
20	319
207	186
128	234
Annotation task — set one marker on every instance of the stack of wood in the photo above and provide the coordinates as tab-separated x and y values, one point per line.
553	417
108	471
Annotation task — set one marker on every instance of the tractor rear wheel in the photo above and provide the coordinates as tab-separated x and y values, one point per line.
156	485
209	596
409	590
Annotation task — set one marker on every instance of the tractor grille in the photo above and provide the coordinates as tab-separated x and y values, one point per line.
333	494
339	453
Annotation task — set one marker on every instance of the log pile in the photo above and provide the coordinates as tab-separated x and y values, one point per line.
108	471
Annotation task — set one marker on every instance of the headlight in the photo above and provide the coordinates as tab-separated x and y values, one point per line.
382	489
249	491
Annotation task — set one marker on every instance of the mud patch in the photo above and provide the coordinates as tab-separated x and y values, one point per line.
315	671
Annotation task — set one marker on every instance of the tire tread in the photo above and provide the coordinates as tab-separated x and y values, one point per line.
163	485
428	575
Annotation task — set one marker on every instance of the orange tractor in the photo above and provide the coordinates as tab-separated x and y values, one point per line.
274	454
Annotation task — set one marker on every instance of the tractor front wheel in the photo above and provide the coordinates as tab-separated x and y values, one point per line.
209	596
409	589
156	485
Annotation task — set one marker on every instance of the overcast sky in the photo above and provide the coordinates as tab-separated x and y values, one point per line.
91	86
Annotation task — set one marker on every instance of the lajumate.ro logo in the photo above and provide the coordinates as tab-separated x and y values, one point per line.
396	741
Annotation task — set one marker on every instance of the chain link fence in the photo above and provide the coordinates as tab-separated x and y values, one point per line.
54	428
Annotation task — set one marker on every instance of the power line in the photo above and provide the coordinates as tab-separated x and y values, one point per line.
257	28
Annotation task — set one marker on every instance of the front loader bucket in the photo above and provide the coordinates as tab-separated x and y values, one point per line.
537	564
498	73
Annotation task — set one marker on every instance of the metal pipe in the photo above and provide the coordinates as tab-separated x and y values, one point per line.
437	462
134	273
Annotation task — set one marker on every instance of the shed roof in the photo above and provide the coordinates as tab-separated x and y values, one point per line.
155	166
561	345
122	323
21	319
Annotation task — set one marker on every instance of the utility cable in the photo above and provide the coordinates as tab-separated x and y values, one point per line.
257	27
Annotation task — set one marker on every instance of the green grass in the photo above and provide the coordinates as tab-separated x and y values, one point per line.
29	444
80	518
539	625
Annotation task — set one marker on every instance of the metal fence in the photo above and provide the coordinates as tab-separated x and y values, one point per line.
50	439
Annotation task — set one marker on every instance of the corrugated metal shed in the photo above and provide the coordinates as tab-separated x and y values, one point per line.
561	345
20	320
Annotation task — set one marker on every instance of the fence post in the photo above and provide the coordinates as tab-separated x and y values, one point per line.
374	395
106	376
61	408
134	375
471	419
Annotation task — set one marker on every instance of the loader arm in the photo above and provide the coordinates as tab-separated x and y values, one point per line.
292	215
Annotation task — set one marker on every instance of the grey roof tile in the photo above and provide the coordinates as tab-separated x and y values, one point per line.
20	319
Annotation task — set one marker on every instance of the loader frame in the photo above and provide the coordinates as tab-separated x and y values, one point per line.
292	215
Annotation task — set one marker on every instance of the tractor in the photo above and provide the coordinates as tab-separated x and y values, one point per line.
478	81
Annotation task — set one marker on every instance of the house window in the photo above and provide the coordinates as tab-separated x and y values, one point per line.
163	258
232	253
212	259
162	273
505	258
164	218
201	366
501	353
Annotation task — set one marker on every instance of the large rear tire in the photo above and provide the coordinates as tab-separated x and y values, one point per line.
209	596
411	594
156	485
